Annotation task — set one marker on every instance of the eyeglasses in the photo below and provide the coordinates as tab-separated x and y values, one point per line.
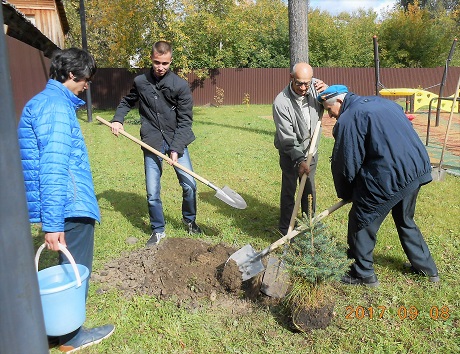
300	83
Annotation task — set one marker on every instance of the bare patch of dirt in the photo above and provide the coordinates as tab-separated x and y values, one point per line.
437	134
181	269
231	276
420	123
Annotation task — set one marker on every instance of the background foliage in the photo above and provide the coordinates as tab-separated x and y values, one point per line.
209	34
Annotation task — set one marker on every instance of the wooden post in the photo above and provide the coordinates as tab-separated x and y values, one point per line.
22	327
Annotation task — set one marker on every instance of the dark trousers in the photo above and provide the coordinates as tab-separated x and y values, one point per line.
361	242
289	180
79	237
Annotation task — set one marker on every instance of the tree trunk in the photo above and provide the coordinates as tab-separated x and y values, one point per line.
298	31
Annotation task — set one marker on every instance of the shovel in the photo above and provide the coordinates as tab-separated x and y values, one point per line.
225	194
438	174
274	281
250	262
303	180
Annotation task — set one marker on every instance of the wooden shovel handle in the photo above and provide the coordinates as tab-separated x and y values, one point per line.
303	180
156	152
294	233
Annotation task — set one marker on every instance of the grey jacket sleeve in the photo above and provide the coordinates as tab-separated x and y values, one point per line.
286	138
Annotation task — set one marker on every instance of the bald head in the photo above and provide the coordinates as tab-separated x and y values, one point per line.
302	69
301	76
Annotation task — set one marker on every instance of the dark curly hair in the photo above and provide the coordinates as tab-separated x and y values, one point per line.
73	60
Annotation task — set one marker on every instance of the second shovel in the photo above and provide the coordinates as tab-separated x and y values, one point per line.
225	194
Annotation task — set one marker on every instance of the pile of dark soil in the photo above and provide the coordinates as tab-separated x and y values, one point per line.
189	270
178	268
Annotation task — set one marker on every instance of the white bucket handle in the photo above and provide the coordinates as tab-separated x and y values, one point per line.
69	257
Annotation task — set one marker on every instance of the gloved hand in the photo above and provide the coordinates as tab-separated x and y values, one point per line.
304	168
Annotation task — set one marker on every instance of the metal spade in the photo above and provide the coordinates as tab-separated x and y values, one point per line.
250	262
225	194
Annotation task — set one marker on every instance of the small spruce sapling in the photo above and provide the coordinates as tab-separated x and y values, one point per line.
314	261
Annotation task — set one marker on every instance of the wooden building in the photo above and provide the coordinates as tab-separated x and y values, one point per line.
48	16
34	30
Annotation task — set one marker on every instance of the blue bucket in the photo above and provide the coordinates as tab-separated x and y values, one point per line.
63	295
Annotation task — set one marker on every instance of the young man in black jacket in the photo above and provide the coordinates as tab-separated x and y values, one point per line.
379	163
165	108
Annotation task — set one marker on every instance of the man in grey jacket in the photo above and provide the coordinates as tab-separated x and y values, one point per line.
296	113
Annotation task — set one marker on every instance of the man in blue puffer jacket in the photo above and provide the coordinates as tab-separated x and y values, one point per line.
379	163
57	174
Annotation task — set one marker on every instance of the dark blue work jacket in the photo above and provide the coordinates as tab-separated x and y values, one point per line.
378	158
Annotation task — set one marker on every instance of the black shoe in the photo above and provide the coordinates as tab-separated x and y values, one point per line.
155	238
192	227
432	278
370	281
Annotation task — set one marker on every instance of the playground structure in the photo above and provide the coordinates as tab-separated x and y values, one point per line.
417	99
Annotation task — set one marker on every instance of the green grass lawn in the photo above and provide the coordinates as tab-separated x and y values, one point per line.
234	147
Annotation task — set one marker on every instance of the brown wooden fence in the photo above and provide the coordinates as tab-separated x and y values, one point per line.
262	85
29	71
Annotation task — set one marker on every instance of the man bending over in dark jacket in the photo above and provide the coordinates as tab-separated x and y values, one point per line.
379	163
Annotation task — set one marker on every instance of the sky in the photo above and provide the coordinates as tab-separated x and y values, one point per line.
336	6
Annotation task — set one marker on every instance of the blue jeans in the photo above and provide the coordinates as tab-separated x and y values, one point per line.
153	166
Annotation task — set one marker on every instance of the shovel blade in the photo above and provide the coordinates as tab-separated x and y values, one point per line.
248	261
275	282
438	174
230	197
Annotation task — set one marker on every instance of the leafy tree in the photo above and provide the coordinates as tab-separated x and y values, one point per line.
73	37
413	39
209	34
346	41
264	45
120	33
431	5
246	35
